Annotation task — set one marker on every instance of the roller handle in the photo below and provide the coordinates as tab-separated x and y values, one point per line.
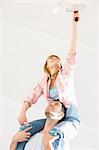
76	18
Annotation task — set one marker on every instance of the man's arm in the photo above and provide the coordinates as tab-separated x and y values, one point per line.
48	140
72	48
13	145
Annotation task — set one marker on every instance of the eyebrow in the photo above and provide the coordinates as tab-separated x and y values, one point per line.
58	103
52	56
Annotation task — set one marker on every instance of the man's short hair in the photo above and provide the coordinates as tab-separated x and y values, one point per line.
63	109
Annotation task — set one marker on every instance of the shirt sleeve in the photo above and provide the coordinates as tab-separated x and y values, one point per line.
69	65
35	94
65	130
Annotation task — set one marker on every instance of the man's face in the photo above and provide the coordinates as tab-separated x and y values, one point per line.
54	110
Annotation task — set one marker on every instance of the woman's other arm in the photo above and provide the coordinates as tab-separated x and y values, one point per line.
32	99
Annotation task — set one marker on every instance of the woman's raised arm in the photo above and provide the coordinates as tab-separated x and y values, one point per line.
72	49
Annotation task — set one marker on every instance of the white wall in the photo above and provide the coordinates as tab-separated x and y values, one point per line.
23	52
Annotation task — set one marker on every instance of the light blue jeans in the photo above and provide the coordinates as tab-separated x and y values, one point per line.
71	115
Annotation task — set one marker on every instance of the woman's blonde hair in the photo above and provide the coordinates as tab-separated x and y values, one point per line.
46	70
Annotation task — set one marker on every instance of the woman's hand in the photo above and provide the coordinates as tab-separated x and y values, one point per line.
75	14
22	117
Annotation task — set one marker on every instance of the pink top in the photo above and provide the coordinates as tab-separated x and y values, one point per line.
64	84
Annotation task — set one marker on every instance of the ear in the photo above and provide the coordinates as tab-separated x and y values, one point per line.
61	66
61	115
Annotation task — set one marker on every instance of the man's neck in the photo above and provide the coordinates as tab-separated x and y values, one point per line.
50	123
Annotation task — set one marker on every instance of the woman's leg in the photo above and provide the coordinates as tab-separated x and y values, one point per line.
37	125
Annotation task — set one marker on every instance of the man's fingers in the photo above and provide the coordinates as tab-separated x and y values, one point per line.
27	129
26	139
54	138
28	136
28	133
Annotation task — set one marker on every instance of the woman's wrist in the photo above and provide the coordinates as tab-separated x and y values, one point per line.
74	23
25	107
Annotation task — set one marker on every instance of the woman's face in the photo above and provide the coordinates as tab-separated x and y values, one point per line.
53	61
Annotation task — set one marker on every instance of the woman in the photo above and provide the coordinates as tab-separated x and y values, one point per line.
57	84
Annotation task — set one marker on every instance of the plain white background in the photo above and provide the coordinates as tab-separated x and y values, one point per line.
29	32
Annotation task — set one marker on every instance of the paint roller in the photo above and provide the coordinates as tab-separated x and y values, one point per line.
72	6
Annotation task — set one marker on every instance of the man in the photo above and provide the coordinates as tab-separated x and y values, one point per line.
43	140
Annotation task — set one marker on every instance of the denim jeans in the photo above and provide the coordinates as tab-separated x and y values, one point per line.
71	116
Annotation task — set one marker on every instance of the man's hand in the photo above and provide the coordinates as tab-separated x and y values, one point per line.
21	136
48	140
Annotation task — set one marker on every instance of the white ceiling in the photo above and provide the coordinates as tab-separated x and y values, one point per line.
37	15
